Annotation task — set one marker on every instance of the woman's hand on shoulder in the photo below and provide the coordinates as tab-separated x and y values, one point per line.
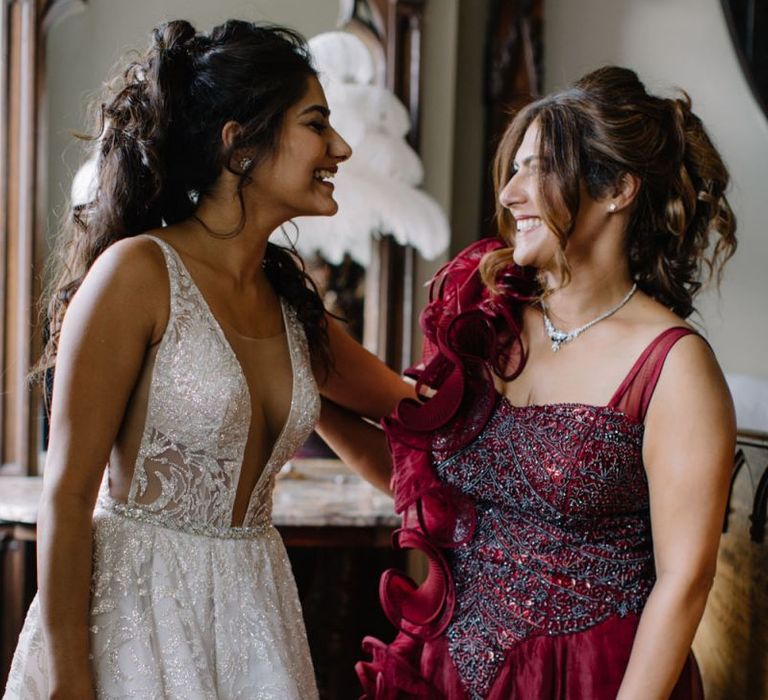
360	381
119	310
688	450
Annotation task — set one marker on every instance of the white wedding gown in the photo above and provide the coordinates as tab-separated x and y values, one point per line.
183	605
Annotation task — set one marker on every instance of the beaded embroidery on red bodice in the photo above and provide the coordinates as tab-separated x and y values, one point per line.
562	540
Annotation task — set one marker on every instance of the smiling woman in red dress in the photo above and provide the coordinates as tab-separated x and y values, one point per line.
568	476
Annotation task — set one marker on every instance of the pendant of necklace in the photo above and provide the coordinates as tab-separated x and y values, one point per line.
558	337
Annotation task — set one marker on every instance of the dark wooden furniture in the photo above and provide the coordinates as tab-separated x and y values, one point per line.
18	584
732	642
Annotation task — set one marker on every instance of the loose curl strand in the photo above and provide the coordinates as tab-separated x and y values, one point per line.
681	229
158	150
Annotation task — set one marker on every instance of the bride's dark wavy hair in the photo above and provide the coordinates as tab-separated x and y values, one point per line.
681	230
159	149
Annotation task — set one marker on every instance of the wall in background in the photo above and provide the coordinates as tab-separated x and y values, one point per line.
438	124
469	119
686	43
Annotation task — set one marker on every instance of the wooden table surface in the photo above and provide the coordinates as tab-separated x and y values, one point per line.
309	494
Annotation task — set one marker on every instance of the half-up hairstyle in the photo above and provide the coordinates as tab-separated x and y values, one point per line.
159	150
605	126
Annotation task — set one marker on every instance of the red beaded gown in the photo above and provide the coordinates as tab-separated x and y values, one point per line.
535	519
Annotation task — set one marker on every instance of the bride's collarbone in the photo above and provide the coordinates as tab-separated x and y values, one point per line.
248	315
251	311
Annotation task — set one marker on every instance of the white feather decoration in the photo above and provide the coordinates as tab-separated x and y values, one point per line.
373	204
83	188
391	157
376	187
342	56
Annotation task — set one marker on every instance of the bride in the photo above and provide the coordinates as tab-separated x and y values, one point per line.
185	358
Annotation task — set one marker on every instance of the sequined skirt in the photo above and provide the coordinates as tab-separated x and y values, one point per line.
180	615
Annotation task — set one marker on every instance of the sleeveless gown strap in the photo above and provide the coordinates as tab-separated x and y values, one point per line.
636	391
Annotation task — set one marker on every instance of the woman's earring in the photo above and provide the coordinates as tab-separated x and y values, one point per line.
245	163
612	207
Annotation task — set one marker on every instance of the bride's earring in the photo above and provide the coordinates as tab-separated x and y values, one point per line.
245	163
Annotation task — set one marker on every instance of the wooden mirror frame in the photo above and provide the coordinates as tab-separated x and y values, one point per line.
24	25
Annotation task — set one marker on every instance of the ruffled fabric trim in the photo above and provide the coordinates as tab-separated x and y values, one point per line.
469	333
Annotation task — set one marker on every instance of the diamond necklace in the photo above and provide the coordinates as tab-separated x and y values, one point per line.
558	337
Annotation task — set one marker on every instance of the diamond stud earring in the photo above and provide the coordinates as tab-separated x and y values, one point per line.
245	163
612	207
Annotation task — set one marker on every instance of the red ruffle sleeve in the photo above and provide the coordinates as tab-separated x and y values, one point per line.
469	334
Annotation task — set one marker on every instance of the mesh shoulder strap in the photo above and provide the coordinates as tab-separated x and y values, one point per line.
634	395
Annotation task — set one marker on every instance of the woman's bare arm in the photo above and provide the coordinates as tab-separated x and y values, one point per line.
360	381
360	386
111	321
359	444
688	454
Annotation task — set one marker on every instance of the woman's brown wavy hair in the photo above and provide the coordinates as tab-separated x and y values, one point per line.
159	149
606	125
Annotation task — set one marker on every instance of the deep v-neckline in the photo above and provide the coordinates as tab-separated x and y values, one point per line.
218	329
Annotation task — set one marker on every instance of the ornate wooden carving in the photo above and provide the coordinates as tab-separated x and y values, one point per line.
23	24
513	76
389	294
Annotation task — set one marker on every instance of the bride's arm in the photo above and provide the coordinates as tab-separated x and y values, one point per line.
360	381
361	445
359	386
106	331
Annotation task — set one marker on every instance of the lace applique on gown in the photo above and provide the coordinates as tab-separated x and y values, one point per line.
183	605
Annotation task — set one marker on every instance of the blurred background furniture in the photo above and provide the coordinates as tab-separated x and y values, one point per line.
732	642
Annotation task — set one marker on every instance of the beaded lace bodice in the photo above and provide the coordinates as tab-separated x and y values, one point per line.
563	537
198	417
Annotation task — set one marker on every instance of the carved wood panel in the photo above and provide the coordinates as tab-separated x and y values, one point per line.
513	77
23	127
